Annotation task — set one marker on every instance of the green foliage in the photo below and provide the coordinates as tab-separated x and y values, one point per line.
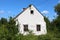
57	9
30	36
56	24
48	24
8	29
3	21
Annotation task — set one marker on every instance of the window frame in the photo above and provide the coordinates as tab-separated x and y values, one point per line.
25	27
38	27
31	11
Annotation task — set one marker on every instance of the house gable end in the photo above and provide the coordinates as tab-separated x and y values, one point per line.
26	9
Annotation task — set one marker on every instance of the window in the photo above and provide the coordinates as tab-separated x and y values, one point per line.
31	11
38	28
25	27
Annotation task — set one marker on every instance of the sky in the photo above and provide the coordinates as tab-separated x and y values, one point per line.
14	7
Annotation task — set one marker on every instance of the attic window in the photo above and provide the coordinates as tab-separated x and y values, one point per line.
31	11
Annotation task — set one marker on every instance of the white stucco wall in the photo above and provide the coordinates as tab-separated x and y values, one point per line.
32	20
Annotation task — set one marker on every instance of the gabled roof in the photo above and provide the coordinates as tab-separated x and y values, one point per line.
25	9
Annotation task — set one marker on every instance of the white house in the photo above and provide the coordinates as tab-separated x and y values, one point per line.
30	19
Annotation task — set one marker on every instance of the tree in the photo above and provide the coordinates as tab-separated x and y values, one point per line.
57	20
3	21
48	24
57	9
12	28
8	29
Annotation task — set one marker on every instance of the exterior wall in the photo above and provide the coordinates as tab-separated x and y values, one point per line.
32	20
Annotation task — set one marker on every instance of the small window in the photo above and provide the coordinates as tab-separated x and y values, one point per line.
32	11
38	28
25	27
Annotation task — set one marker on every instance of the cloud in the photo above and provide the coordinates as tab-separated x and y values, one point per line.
9	11
55	15
2	11
45	12
59	1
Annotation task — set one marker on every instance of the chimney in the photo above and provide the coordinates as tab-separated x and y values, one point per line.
24	9
30	5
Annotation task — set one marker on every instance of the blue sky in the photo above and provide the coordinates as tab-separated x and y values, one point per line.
14	7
